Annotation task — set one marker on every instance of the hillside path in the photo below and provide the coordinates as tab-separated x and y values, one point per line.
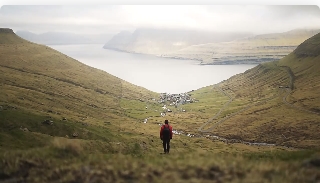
289	90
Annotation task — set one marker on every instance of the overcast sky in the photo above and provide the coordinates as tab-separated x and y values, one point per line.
114	18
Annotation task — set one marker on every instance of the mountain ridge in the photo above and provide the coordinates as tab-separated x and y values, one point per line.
212	48
157	41
44	62
250	50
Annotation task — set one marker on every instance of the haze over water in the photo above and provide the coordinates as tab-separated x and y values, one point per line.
151	72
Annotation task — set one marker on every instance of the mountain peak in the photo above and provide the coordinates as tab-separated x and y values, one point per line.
6	30
7	36
310	47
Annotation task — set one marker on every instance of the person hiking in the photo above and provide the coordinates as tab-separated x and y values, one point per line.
166	136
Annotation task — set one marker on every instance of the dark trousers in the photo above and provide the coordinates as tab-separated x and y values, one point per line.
166	145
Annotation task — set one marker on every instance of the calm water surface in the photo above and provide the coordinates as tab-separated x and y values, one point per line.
153	73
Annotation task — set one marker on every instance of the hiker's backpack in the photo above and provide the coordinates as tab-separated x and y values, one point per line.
166	131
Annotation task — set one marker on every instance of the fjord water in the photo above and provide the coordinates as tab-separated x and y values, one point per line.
151	72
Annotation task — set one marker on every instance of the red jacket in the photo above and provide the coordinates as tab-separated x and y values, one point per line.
161	131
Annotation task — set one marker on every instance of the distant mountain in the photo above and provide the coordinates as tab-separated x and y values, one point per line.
119	40
160	41
64	38
250	50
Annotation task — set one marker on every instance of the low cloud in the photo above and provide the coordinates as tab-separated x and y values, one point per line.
112	19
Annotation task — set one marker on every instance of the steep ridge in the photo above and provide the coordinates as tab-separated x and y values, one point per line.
9	37
309	48
47	83
304	64
276	102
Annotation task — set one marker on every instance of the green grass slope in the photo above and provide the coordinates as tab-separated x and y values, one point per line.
263	109
39	83
63	121
38	77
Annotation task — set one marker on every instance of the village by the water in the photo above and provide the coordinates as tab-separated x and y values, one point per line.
174	100
170	101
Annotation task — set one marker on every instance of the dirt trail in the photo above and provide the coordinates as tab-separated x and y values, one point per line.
289	90
221	109
233	114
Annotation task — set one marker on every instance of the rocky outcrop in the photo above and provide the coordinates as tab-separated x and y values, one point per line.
24	129
48	122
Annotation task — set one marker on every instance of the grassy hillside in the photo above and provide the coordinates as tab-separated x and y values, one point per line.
276	102
254	49
41	78
41	82
63	121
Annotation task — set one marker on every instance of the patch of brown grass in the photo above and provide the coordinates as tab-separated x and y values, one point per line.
72	146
